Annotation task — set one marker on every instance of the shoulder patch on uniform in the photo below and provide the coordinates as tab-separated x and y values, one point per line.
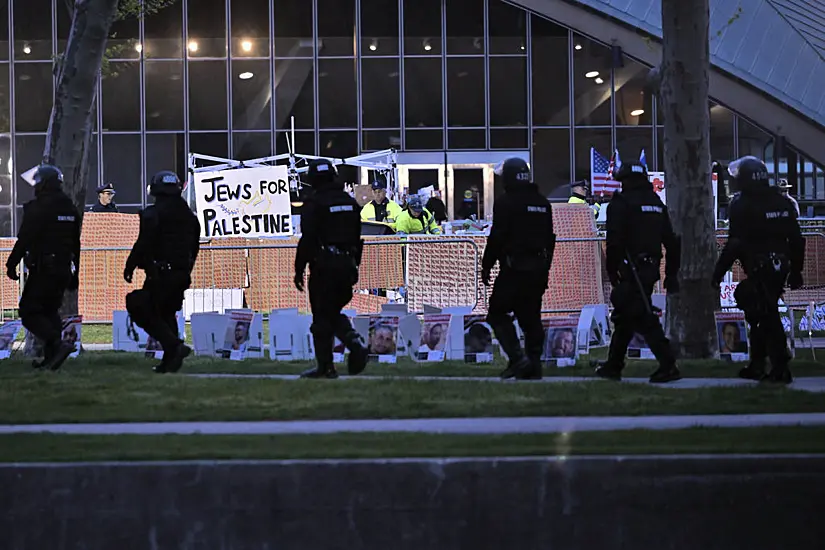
341	208
540	209
776	215
651	208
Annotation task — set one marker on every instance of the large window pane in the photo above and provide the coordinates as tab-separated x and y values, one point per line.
121	96
422	27
293	29
163	33
378	140
165	152
631	141
164	95
380	94
588	138
465	91
251	145
508	139
591	82
422	89
337	93
634	106
507	28
550	71
6	170
251	95
33	91
465	27
121	166
29	151
4	35
424	140
124	38
336	27
207	95
93	181
214	144
304	143
466	139
250	28
379	27
5	104
207	28
32	29
6	228
551	162
294	93
341	145
721	134
508	91
754	141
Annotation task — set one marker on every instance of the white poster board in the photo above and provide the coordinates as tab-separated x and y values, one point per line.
732	334
560	347
383	339
211	300
8	334
435	331
127	336
208	331
243	336
244	202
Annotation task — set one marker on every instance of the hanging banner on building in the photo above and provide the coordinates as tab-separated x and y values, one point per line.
245	202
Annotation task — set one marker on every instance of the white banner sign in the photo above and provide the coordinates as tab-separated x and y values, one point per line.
246	202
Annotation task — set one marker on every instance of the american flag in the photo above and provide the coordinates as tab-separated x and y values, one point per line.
601	174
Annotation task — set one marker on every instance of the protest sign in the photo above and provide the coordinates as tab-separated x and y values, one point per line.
245	202
733	336
478	340
434	332
560	347
383	337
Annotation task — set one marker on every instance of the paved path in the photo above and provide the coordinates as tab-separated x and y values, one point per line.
812	384
533	425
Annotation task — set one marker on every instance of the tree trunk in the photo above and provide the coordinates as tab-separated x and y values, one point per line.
684	103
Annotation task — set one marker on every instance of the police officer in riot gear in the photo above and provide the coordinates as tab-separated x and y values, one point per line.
166	249
765	237
49	244
522	241
331	245
638	225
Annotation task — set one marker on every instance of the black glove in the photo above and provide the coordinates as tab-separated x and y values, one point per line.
485	277
128	271
74	282
795	280
299	281
671	284
11	271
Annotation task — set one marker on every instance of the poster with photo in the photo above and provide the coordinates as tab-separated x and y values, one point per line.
434	331
732	332
72	333
560	347
478	340
8	334
237	335
128	336
383	338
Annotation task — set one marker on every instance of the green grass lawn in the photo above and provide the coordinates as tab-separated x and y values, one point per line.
95	392
48	447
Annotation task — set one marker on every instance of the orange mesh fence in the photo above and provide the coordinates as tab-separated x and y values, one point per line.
442	272
271	271
9	290
219	268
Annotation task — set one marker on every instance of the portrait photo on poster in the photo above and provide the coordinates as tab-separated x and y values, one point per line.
478	340
236	337
72	331
383	338
434	331
560	340
732	333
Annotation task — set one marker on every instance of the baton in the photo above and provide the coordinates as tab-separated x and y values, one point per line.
638	283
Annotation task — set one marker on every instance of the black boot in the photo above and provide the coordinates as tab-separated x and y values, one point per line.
533	369
754	371
666	373
173	359
55	354
325	368
610	371
515	367
507	338
358	353
778	376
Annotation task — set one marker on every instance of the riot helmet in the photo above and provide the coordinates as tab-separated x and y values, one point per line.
513	172
47	178
632	171
748	173
165	183
321	173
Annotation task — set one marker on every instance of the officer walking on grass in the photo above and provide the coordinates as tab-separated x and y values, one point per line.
331	245
166	249
638	225
522	241
49	244
764	235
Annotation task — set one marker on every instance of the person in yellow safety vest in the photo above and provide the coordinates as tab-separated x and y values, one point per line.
416	220
580	195
380	208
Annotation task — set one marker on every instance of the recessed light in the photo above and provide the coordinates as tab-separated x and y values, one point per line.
599	81
27	50
578	47
637	112
138	48
246	45
373	47
193	46
245	76
592	74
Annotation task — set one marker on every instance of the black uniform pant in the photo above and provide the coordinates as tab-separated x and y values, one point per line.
153	307
329	292
518	293
631	314
758	301
40	305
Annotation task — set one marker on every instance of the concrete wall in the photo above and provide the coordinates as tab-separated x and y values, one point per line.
577	503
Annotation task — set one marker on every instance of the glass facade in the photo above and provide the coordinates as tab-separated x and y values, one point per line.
228	77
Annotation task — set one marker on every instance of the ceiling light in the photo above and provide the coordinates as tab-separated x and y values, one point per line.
245	76
246	45
138	47
27	50
374	45
637	112
599	81
522	47
193	46
592	74
578	47
427	46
